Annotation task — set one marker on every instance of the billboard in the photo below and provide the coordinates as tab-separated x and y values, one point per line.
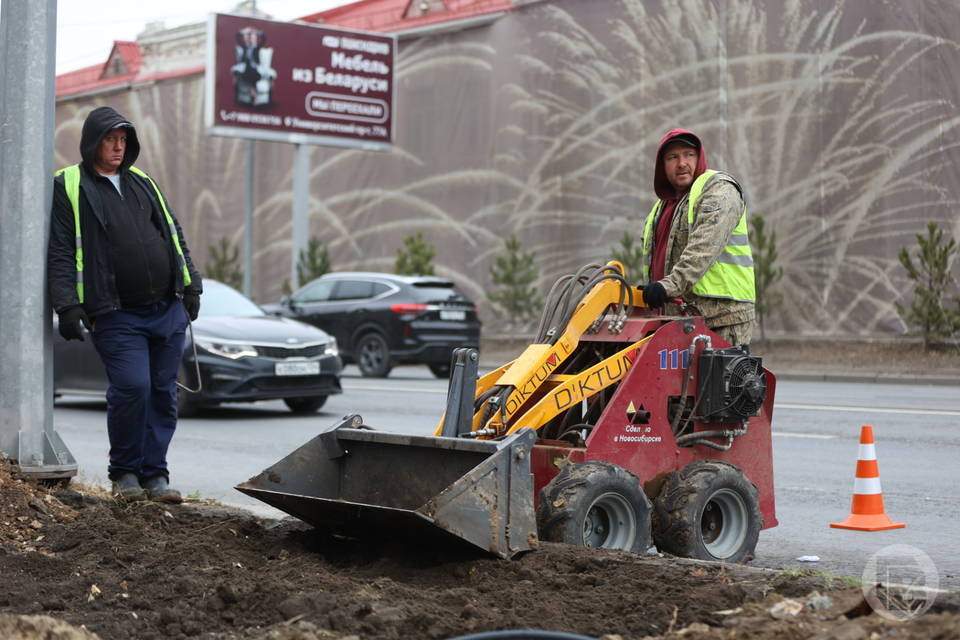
299	83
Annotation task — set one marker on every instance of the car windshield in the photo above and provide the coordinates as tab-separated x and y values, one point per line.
220	300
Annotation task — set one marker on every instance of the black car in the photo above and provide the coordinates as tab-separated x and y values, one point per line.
243	353
381	319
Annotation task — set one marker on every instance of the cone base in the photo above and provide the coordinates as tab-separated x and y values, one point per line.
863	522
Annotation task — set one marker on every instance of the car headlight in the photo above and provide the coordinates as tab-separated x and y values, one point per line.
331	348
225	349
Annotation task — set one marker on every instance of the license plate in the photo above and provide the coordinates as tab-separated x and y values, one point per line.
297	368
453	315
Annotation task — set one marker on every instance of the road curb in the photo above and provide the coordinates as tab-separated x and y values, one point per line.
872	378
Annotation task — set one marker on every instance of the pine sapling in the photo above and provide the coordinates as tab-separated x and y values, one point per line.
630	255
515	274
224	264
312	262
931	279
415	257
766	273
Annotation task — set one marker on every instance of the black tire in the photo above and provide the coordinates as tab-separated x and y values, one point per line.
305	405
187	404
708	511
440	369
373	356
595	504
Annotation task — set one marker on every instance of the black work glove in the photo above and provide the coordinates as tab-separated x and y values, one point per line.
191	302
654	295
70	320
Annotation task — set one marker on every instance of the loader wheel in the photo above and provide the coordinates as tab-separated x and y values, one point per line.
595	504
708	511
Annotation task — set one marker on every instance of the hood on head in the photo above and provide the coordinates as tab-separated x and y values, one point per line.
661	185
98	123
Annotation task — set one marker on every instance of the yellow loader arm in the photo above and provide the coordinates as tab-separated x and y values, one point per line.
528	393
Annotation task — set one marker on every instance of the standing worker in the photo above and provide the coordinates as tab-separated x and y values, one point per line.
695	244
118	265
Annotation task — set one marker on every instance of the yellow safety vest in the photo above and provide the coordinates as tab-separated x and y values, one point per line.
731	276
71	182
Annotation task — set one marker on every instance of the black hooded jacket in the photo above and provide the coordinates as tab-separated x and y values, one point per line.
128	255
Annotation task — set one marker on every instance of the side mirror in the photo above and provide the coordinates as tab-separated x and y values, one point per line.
290	303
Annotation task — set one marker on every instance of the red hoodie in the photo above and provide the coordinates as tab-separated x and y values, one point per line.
665	192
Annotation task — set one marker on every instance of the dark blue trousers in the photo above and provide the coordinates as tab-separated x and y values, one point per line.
141	348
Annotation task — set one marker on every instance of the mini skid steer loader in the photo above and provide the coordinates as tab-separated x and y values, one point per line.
618	427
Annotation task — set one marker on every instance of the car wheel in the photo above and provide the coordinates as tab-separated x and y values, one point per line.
187	404
373	356
440	370
305	405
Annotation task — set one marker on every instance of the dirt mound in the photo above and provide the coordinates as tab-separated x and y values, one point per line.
32	627
198	570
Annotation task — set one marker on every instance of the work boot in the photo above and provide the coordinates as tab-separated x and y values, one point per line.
127	487
158	489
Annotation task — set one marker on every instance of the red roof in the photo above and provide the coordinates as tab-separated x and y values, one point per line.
400	15
126	60
122	65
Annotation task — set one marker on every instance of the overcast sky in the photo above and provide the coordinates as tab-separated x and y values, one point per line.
86	29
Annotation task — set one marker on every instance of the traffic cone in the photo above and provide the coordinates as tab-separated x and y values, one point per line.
866	513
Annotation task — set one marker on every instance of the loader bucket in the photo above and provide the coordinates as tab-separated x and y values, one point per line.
357	481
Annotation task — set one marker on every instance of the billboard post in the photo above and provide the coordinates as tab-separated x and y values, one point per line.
301	209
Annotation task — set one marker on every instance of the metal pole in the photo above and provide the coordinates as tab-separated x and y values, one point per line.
27	118
248	224
301	202
248	209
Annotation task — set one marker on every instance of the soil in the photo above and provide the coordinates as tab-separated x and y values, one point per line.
78	565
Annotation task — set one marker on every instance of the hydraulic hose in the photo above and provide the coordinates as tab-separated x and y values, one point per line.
702	337
624	291
561	303
698	437
554	297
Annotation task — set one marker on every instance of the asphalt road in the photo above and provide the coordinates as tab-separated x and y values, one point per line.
816	434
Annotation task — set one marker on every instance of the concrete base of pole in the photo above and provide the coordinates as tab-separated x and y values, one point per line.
57	463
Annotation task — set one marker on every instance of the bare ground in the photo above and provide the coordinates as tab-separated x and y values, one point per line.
76	565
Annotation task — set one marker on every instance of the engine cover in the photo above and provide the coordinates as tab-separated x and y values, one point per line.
731	385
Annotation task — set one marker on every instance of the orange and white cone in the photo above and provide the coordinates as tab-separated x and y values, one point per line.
866	513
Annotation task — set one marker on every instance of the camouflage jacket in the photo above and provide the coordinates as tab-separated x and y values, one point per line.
691	251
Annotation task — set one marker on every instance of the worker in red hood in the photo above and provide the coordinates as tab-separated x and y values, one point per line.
695	243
